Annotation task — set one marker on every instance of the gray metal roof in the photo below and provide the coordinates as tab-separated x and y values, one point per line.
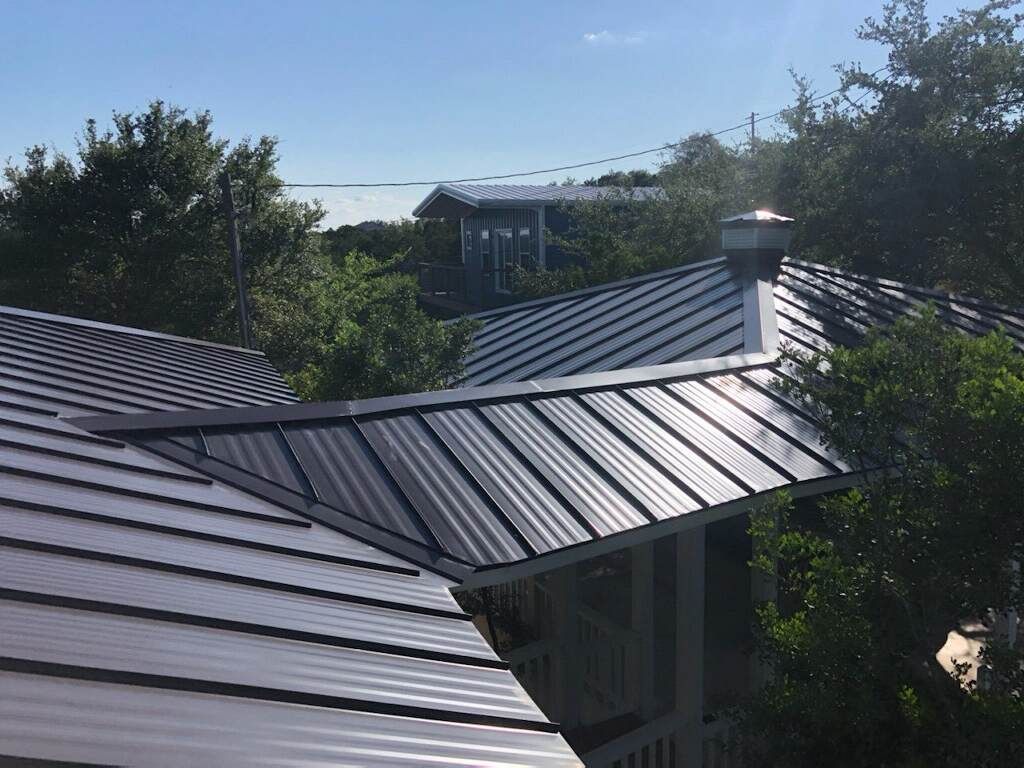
79	366
505	473
153	616
693	312
501	195
497	475
686	313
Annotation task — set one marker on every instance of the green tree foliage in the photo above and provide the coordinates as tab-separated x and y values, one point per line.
620	236
922	180
873	580
915	172
382	343
131	231
424	240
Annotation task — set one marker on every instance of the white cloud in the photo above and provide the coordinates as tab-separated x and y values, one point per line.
605	37
362	206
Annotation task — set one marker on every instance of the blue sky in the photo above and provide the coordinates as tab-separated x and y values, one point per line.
378	91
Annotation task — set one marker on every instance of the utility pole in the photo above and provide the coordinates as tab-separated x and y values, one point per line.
752	133
228	202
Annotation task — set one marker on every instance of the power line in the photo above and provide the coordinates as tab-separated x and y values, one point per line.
746	124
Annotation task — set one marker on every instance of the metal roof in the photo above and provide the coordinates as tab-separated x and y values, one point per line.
470	196
502	474
79	367
496	475
153	616
758	215
693	312
686	313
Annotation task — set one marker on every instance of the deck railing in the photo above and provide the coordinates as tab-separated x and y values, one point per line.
653	745
451	282
443	280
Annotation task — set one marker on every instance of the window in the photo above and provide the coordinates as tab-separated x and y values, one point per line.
468	252
505	263
525	247
485	248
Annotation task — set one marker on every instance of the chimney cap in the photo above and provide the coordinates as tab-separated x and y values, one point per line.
755	219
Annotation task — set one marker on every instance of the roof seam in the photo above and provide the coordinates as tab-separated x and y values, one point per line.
595	465
243	627
227	578
506	521
123	329
143	525
262	693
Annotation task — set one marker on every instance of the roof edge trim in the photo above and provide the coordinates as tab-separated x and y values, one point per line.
268	414
445	189
490	575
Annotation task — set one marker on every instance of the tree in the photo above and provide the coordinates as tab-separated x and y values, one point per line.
638	177
915	172
619	237
426	240
382	342
131	231
920	177
872	581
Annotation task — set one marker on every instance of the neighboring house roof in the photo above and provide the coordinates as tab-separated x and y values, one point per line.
457	200
693	312
81	366
153	616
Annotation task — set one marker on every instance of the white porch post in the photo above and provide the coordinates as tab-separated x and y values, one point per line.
689	738
642	619
568	642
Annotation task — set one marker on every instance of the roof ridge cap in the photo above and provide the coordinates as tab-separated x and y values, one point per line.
296	412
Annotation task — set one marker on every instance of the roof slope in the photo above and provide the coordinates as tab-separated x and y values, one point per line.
81	366
694	312
686	313
152	616
460	199
496	475
504	473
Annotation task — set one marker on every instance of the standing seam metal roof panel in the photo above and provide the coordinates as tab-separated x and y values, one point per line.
146	622
668	317
100	368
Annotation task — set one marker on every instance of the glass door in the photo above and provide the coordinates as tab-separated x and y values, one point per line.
504	260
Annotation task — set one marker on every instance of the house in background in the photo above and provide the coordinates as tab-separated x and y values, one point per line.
503	227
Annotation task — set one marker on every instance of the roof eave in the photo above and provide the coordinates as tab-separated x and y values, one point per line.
428	208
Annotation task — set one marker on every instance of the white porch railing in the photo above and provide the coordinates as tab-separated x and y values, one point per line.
536	667
609	657
653	746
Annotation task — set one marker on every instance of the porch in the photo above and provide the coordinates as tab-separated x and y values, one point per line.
634	652
453	289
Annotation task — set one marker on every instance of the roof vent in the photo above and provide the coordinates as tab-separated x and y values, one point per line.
754	244
757	238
